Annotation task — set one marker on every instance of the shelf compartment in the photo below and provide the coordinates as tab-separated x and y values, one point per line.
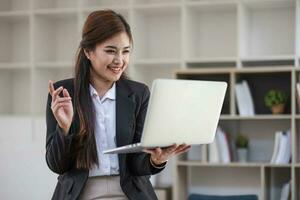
41	78
54	4
15	88
275	178
157	32
15	39
56	37
211	77
260	83
14	5
211	30
261	136
267	28
247	180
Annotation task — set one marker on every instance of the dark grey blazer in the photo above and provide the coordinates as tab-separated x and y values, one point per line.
135	169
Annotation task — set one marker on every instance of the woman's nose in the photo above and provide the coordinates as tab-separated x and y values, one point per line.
117	59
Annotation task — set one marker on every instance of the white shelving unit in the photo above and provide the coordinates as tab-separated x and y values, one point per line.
257	176
227	40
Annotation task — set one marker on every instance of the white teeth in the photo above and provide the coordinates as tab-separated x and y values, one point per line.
115	69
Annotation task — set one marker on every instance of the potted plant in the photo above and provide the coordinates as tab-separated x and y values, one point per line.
242	143
276	100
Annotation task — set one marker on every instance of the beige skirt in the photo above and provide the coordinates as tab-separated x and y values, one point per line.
104	188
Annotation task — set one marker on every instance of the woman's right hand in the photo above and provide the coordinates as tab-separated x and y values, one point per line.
61	107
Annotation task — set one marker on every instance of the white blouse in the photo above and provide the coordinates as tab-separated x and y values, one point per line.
105	132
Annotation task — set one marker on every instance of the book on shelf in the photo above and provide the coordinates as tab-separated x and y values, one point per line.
298	94
285	191
276	146
213	152
248	98
239	100
244	99
288	150
219	151
282	147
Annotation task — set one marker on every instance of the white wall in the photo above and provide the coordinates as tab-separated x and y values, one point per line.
23	169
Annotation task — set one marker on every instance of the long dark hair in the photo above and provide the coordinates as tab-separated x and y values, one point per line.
98	27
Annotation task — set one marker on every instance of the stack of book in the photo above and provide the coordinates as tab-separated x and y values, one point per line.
244	99
285	191
282	147
220	150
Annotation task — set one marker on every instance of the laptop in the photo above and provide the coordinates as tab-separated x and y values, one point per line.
179	111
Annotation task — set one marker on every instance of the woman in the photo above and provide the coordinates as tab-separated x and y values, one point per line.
100	109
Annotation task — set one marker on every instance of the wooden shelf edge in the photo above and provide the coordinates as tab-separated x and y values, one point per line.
232	164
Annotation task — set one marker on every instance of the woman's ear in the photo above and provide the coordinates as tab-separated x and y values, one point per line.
87	53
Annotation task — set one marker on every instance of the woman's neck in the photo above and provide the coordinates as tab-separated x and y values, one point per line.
101	86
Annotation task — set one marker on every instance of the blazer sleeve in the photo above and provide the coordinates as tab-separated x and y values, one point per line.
58	146
139	163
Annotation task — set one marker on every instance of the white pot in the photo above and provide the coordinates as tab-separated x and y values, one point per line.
242	154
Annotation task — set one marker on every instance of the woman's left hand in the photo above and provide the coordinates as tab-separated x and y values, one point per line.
161	155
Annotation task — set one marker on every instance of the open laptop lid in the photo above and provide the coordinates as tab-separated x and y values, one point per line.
183	111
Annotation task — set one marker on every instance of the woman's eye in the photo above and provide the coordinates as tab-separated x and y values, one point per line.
126	51
110	51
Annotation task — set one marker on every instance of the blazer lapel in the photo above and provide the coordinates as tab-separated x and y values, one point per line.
125	107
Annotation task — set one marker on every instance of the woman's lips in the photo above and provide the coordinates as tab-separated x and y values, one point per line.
115	70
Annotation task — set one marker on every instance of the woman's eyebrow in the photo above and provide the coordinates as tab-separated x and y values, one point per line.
113	47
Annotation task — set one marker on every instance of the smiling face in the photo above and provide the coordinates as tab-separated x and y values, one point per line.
110	58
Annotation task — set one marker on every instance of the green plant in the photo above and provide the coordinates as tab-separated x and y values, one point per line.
241	141
275	97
